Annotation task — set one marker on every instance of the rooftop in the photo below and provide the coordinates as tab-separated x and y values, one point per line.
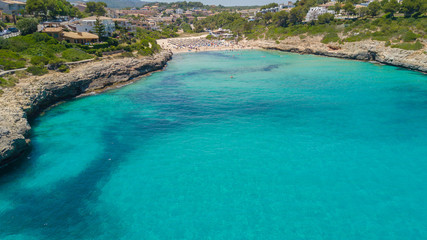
93	18
12	2
52	29
80	35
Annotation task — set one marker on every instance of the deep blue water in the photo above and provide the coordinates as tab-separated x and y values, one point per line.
291	147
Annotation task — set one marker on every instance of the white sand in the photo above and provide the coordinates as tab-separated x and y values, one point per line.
201	44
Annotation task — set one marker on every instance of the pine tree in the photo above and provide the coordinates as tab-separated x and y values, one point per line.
99	28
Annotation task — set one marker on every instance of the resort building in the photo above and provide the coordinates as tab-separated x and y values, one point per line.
221	33
11	6
315	12
279	8
88	25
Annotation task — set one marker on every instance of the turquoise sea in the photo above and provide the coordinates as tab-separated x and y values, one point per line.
290	147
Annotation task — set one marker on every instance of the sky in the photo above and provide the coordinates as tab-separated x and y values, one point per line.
230	2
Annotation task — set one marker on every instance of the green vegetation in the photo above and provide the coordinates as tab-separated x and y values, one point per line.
11	60
281	25
8	82
37	70
64	68
96	8
271	5
74	55
99	28
39	60
408	46
330	37
51	8
27	25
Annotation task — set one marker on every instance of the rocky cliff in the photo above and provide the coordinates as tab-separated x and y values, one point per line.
364	50
30	96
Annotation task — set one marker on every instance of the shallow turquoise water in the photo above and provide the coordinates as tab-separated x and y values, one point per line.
291	147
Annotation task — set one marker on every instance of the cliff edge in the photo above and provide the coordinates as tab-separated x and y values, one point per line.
32	95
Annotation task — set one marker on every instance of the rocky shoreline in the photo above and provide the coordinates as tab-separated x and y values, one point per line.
364	50
30	96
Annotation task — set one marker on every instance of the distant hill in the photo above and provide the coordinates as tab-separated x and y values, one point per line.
117	3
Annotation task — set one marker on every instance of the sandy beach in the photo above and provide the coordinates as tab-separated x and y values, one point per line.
201	44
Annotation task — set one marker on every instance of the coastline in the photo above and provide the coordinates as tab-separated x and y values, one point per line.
367	50
31	96
23	102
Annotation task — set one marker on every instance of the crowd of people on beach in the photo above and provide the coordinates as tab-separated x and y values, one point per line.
200	44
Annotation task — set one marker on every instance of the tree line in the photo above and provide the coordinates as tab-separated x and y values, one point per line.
55	8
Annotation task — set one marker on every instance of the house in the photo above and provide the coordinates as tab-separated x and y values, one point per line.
88	25
315	12
167	20
140	24
55	32
71	37
11	6
80	37
125	24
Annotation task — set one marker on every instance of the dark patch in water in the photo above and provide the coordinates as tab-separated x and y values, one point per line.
271	67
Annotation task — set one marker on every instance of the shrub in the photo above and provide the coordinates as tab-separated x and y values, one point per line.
98	53
55	63
325	18
112	42
409	46
127	55
3	82
410	36
330	37
9	82
39	60
64	68
11	60
74	55
37	70
357	38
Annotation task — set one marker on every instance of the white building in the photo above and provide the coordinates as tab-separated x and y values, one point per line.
11	6
179	11
88	25
315	12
